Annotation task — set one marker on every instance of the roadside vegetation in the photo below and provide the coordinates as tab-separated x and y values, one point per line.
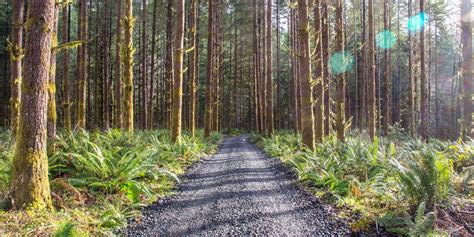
99	180
396	184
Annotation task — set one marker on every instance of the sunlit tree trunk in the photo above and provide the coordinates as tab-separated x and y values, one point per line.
307	117
30	184
269	70
319	77
178	73
209	69
341	77
326	75
128	65
52	115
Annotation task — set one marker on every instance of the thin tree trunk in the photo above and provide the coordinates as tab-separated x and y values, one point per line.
387	73
118	119
341	77
178	73
65	39
326	75
16	55
372	111
52	115
106	85
168	62
269	70
144	48
82	64
152	74
411	80
30	183
209	69
128	65
362	73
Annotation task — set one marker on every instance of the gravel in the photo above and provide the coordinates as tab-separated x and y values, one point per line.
238	191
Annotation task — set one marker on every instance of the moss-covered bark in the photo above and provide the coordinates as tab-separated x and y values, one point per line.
16	54
118	119
52	115
193	69
67	98
128	21
341	77
82	64
30	183
209	69
307	117
319	85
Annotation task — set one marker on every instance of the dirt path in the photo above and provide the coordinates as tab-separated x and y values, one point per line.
239	191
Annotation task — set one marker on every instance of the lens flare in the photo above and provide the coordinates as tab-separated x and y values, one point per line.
341	62
417	22
385	39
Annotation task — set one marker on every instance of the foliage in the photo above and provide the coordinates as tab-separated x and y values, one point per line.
372	181
99	180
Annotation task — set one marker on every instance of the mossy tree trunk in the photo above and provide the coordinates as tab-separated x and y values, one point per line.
307	116
128	21
82	66
16	55
144	65
319	76
52	115
327	77
30	183
178	73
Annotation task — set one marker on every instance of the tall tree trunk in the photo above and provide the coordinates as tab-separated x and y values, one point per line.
65	39
106	85
168	61
423	90
209	69
341	77
279	112
118	119
256	68
307	116
362	73
144	48
387	72
30	183
16	55
178	73
82	64
269	70
326	75
152	74
128	65
466	8
319	76
52	115
372	110
411	81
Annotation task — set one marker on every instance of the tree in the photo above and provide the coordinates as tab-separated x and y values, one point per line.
269	71
340	78
209	69
52	117
128	65
411	81
362	73
178	73
193	68
424	94
144	48
372	111
30	183
82	65
326	75
319	76
152	74
65	39
105	62
466	8
168	61
118	119
387	72
16	55
307	117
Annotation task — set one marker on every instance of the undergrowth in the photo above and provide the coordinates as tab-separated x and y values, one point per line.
99	180
398	183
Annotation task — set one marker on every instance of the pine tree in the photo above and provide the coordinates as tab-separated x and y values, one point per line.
178	73
16	55
128	65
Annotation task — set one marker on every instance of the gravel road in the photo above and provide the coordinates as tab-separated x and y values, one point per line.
238	191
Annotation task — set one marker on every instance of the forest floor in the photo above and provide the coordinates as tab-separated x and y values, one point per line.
238	191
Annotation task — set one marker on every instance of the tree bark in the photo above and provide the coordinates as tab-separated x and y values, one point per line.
67	97
372	110
423	90
16	55
52	115
319	76
341	77
209	69
307	116
269	70
30	183
178	73
128	65
82	64
118	118
144	63
387	73
466	8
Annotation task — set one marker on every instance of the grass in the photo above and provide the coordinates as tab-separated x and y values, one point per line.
100	180
398	183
